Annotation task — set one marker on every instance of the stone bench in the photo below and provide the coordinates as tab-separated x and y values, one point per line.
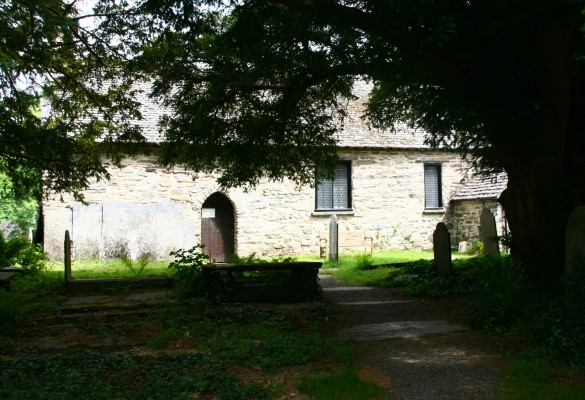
348	242
300	285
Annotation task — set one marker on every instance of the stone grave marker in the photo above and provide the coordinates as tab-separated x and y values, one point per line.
489	234
575	241
67	256
463	246
333	239
442	248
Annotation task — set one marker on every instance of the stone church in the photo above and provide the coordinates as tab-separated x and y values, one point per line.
388	186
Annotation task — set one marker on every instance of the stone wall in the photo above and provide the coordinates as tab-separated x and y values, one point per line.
144	207
463	217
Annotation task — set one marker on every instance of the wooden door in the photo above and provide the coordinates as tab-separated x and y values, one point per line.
217	227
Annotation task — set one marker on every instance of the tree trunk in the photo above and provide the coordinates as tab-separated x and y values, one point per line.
537	205
544	182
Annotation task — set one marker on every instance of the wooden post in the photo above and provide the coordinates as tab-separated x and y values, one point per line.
67	257
333	239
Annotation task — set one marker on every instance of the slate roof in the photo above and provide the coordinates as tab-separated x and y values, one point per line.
481	187
151	112
355	132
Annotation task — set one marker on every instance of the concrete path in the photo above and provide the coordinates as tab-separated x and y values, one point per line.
417	349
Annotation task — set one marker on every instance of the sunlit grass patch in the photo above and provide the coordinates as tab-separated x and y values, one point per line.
112	268
374	269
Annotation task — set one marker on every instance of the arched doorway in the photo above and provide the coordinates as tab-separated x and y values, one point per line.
217	227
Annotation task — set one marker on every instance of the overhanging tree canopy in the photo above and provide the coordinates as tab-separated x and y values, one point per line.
256	87
74	61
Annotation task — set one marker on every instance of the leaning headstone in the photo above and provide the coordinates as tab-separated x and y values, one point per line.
442	248
489	234
333	239
575	241
67	256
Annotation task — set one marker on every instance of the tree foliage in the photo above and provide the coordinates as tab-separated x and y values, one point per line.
276	72
21	210
256	87
70	64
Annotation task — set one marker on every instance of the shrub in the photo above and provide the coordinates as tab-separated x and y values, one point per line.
564	333
18	252
501	294
188	266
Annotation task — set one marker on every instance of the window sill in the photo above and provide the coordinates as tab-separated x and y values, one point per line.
434	211
328	213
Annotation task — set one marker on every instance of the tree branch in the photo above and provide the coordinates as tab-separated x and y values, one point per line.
409	43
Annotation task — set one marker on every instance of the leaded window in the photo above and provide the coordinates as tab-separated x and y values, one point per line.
433	196
335	194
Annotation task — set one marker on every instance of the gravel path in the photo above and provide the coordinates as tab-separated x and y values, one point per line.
416	348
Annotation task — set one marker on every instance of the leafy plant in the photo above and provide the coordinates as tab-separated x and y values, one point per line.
18	252
188	266
136	267
475	249
364	261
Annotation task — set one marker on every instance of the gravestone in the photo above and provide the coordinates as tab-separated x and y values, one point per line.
463	246
442	248
489	234
67	256
333	239
575	241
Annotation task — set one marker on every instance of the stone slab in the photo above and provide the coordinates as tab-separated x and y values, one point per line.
373	303
489	233
442	248
346	288
398	330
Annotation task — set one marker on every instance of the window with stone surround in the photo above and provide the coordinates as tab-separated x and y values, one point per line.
335	194
433	195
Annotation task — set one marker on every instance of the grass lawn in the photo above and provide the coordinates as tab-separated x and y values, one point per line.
113	268
372	270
